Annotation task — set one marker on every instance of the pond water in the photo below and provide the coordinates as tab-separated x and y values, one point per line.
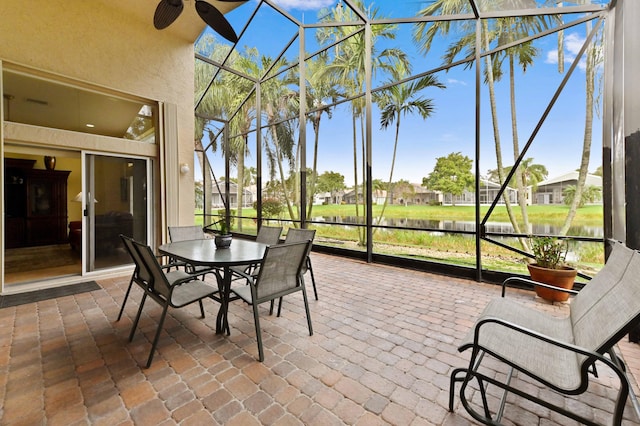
453	225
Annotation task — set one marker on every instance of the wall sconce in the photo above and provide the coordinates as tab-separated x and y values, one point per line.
184	168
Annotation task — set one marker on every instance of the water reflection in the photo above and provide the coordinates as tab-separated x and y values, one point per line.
455	225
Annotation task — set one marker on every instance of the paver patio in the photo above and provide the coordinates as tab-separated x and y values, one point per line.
384	345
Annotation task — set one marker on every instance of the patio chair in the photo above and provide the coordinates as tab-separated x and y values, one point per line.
268	235
177	290
559	353
278	276
140	276
295	235
186	233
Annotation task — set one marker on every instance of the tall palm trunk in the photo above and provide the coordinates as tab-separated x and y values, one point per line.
207	184
496	130
519	173
588	133
393	163
363	144
355	167
279	161
314	177
240	184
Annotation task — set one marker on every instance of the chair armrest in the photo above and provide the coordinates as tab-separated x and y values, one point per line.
248	276
521	280
590	355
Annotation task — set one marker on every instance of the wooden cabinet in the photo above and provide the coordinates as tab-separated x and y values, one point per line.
35	205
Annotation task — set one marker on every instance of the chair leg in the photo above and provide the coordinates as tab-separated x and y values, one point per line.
306	307
256	320
279	305
157	336
201	308
271	308
135	322
126	296
313	279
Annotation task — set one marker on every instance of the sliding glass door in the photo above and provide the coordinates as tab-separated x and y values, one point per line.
116	201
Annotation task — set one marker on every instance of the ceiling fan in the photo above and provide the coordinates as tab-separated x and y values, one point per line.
168	11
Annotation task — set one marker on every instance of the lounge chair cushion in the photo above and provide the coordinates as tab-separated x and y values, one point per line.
561	367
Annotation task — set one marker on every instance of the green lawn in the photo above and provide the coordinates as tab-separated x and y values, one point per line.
449	248
552	215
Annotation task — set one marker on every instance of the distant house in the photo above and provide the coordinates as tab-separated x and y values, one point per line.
326	198
217	196
350	196
550	191
488	192
420	195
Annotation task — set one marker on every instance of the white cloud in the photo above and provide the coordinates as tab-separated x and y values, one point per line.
453	81
572	45
304	4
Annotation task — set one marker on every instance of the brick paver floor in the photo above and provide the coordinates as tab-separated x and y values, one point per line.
385	343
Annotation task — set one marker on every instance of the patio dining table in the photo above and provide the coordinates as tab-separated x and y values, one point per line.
204	253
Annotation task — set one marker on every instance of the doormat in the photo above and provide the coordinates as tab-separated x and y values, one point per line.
47	293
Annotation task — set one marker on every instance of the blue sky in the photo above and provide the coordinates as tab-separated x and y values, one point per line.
557	146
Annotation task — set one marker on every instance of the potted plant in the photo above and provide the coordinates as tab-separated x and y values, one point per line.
550	268
223	237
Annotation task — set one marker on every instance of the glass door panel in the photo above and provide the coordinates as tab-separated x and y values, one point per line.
115	203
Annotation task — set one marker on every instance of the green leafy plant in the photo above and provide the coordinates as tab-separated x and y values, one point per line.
223	227
549	252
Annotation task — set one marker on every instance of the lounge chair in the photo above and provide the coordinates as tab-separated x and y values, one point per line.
559	353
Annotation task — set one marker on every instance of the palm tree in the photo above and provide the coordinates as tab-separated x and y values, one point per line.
399	100
594	56
533	173
279	107
524	53
321	91
503	30
348	67
590	194
213	104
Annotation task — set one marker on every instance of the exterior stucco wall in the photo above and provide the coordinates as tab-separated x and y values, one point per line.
92	42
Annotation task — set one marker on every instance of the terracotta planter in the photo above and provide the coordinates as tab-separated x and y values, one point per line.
563	278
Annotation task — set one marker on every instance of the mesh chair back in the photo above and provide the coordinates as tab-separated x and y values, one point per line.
295	235
609	305
269	235
280	268
185	233
141	274
158	282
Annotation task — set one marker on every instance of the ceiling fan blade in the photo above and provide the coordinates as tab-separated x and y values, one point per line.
216	20
167	11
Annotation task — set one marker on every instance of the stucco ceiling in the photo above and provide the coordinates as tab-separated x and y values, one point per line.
188	25
50	104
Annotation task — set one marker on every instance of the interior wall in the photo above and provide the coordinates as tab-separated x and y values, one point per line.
64	161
